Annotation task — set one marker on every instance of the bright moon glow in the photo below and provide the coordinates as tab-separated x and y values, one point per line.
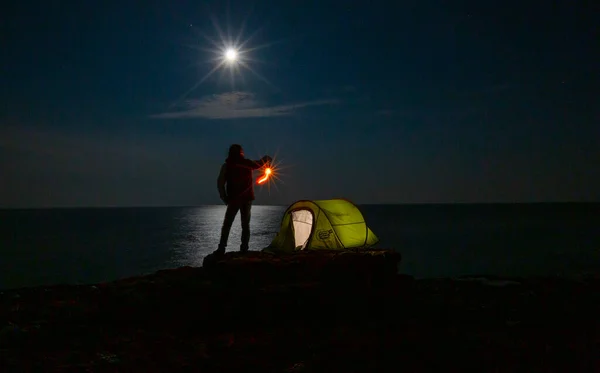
231	55
268	172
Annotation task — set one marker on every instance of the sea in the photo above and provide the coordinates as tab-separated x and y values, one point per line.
91	245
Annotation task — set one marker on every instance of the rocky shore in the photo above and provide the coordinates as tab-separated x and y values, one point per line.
308	312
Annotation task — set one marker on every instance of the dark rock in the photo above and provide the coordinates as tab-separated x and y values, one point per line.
358	268
327	311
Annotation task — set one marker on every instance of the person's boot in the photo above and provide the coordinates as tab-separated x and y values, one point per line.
219	251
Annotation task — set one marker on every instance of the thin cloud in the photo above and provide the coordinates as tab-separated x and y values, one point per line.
234	105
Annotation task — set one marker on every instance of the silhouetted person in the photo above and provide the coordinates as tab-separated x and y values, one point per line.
236	189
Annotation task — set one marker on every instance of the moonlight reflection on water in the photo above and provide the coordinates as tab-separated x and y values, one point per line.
199	231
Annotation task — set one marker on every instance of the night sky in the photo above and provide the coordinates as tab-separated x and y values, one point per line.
380	102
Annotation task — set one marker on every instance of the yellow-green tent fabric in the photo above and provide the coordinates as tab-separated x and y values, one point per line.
334	224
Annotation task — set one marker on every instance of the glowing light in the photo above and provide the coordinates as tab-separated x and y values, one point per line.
231	55
272	174
265	177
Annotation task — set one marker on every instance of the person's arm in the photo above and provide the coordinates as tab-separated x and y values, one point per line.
255	165
221	183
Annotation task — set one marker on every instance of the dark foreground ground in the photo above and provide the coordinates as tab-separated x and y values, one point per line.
306	313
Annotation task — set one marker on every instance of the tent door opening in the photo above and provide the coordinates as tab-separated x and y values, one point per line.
302	222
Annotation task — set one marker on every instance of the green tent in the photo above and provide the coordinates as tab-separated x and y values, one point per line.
334	224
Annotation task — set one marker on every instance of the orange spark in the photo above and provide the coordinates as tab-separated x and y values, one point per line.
265	177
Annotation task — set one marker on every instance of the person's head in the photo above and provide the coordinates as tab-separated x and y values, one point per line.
236	151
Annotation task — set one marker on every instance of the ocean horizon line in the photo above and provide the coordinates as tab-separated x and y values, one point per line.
287	205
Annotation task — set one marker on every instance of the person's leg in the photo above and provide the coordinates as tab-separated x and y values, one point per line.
230	214
245	217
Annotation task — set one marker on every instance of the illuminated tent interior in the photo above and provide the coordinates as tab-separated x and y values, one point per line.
335	224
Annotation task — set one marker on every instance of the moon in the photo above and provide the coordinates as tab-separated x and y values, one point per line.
231	55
